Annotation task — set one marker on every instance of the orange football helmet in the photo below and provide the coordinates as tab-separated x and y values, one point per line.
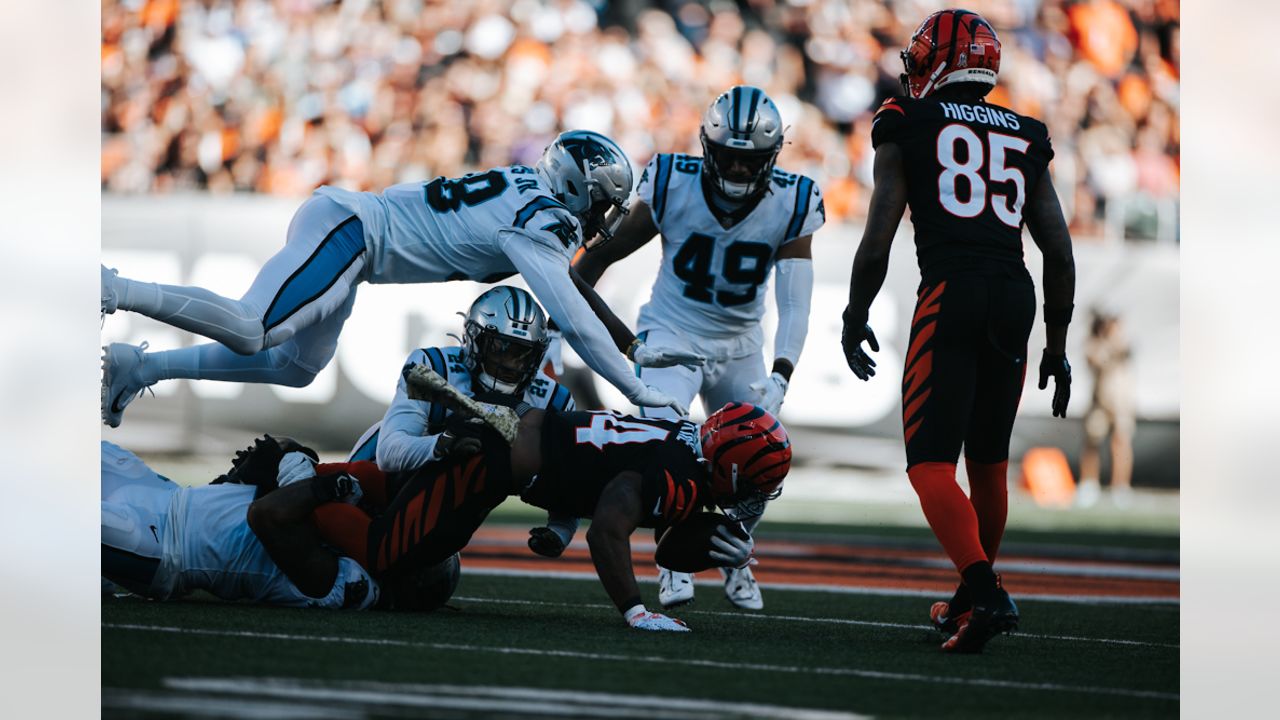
950	46
749	453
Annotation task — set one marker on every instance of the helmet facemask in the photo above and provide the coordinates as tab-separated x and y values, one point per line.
591	175
741	136
504	340
737	174
503	364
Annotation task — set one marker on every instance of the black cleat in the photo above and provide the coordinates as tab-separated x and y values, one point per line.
988	619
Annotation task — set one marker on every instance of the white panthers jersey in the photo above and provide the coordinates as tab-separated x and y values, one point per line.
713	278
407	431
449	228
205	542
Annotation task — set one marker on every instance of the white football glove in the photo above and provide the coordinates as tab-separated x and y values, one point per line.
660	357
295	467
770	392
641	619
731	550
555	352
651	396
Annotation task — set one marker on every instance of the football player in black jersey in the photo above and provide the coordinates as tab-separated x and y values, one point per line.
972	173
624	472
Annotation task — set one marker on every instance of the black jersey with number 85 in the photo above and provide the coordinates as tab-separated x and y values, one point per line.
969	169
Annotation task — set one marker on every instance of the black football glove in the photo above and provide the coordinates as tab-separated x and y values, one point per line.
1057	367
545	542
259	464
851	340
450	444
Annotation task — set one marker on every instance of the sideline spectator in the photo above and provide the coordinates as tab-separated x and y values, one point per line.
278	96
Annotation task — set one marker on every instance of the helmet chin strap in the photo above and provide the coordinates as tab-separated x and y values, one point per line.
932	79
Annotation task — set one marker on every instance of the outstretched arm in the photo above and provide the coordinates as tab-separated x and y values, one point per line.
547	273
636	229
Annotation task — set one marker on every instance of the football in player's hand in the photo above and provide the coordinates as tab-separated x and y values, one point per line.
684	547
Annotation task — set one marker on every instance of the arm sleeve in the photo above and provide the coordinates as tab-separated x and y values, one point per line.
546	270
403	443
794	292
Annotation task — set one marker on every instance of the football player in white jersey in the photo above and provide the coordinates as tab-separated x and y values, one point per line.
484	227
726	219
162	541
504	339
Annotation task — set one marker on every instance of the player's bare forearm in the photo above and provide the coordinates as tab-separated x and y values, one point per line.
888	203
281	521
618	330
1049	230
637	228
616	517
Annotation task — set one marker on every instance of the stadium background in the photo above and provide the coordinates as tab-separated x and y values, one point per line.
220	116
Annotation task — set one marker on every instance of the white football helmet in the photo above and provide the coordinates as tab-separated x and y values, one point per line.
741	137
504	340
591	175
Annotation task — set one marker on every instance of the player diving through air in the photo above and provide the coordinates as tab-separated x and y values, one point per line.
727	220
972	173
484	227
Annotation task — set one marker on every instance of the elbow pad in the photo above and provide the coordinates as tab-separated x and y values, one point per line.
794	294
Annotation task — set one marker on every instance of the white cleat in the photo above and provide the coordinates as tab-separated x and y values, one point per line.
109	300
674	588
741	588
121	379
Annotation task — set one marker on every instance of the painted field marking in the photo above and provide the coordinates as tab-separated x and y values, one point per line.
834	621
836	589
660	660
487	698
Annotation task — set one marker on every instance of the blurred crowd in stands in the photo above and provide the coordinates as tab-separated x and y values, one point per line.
279	96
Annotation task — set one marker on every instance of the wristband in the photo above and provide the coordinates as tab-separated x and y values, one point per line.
1058	316
636	611
783	367
631	349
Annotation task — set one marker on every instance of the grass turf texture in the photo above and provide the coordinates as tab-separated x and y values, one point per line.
867	654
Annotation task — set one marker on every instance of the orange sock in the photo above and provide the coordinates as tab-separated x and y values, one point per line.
989	493
948	511
345	527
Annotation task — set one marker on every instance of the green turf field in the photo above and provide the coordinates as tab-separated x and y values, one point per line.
534	647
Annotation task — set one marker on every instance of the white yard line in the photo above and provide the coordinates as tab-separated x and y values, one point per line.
834	621
837	589
516	700
661	660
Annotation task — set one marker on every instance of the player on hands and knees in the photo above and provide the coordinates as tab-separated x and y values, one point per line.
483	226
972	173
626	472
504	340
727	219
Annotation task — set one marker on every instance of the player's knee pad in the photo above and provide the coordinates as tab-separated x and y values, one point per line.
287	370
246	337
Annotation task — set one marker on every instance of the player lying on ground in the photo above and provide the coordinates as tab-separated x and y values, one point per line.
484	227
164	541
627	471
503	343
727	220
966	168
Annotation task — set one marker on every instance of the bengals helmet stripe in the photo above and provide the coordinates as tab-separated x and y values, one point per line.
750	455
972	53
